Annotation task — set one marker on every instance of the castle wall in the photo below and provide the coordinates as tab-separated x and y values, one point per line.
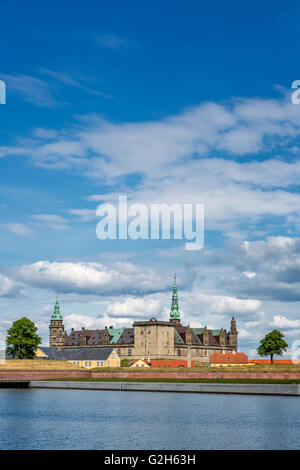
153	339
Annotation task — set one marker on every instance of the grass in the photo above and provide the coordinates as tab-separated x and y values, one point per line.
205	368
170	380
39	364
36	364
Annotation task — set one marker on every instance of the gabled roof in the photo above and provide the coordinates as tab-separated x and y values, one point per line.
49	352
77	354
74	336
228	358
177	338
127	337
198	331
96	337
181	330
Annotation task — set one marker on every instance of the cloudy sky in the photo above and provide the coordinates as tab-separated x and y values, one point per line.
165	102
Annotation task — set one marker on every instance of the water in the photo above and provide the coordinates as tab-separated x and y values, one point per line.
80	419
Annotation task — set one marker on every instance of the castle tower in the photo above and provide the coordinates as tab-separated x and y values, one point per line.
233	334
222	337
57	336
175	314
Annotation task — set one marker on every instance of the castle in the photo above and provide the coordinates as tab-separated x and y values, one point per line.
149	339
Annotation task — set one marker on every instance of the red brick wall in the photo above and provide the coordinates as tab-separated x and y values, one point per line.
41	375
198	375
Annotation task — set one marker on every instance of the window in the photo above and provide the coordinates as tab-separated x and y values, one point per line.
90	364
129	352
101	363
179	352
85	364
119	352
97	363
112	356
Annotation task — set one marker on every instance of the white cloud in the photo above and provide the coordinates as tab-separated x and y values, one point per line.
77	321
134	307
30	89
11	288
280	321
276	263
77	83
174	159
56	222
91	278
19	229
249	274
220	304
85	215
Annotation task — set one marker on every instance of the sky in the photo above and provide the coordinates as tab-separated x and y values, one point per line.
164	102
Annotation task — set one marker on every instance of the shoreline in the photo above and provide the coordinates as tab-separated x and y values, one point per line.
217	388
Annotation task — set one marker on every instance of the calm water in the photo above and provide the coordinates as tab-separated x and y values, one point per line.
78	419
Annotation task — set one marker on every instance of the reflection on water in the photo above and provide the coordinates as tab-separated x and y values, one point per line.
79	419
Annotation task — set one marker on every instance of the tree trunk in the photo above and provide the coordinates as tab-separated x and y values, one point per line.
272	359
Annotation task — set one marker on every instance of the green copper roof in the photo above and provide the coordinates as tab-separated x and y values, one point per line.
56	314
114	334
198	331
174	306
216	332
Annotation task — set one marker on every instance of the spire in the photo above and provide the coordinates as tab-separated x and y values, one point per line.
56	314
174	306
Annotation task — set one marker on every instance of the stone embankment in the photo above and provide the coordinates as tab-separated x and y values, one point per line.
240	389
118	375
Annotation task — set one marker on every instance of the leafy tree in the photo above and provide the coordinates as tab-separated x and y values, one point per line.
22	339
272	344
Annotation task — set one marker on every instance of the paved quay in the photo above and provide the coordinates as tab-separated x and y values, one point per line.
244	389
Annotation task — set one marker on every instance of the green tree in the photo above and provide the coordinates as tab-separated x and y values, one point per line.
272	344
22	339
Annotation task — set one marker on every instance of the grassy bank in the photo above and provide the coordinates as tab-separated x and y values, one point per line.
36	364
170	380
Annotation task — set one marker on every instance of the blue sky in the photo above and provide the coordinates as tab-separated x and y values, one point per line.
170	102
